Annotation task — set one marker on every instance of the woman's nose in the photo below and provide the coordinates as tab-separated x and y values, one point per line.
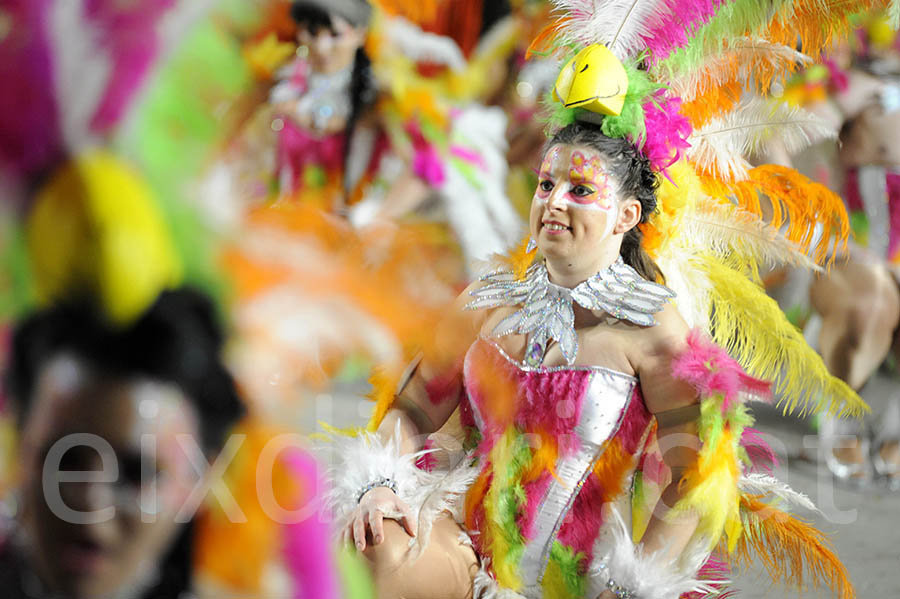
557	199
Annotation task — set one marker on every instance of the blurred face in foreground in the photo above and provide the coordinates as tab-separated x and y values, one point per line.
107	466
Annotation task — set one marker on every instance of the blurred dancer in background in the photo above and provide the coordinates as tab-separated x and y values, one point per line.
855	306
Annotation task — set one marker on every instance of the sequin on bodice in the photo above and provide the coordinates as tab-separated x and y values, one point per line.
590	421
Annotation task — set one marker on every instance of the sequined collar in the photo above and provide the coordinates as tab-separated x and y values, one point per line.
547	311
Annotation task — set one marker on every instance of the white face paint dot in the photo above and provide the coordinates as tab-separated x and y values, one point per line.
148	409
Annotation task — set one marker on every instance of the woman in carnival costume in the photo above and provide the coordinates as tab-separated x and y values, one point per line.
602	374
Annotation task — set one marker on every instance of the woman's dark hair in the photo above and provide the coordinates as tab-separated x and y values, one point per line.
635	178
177	340
362	82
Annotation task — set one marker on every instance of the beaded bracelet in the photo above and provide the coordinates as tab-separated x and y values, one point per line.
381	482
619	591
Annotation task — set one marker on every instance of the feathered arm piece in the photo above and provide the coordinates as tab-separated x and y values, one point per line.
718	492
709	487
357	462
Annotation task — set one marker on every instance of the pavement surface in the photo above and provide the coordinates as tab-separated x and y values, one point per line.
864	525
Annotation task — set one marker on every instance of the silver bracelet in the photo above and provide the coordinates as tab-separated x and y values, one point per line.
619	591
381	482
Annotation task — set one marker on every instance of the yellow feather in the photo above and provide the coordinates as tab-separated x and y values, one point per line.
519	258
505	570
752	328
384	390
709	489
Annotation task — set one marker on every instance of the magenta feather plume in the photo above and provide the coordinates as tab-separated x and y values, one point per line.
717	572
673	30
762	456
712	371
29	125
307	546
667	131
128	31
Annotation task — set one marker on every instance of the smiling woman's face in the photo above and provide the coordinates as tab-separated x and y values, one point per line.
575	206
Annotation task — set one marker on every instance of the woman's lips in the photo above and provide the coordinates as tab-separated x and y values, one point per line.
554	228
83	557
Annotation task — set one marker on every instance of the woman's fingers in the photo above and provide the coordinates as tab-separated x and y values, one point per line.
407	519
376	525
359	532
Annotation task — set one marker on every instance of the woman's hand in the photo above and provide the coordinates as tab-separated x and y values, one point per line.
376	505
606	595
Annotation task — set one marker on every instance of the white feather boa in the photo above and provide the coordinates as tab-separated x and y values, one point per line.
651	576
357	461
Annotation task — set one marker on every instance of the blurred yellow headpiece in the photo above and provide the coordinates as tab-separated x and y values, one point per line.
94	228
594	80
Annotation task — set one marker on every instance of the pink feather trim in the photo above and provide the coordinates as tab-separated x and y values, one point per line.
761	454
893	189
712	371
667	131
307	550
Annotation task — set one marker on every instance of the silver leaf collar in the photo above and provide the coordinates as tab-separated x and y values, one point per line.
547	312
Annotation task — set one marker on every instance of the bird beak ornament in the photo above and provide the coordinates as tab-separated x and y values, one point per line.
594	80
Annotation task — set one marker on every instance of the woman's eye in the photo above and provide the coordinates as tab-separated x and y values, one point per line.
546	185
582	191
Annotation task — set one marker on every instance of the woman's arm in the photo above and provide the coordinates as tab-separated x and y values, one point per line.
427	395
676	404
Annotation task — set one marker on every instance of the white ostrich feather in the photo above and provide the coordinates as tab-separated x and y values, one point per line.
764	484
618	24
750	54
418	45
721	146
727	229
82	68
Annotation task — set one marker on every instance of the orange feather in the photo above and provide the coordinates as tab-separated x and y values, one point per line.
716	102
612	468
789	548
519	259
794	200
543	42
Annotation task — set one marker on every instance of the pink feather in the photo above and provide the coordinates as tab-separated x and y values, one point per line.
761	454
715	569
667	131
307	549
534	490
893	189
677	25
128	32
712	371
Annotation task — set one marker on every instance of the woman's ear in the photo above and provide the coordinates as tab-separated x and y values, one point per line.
629	216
